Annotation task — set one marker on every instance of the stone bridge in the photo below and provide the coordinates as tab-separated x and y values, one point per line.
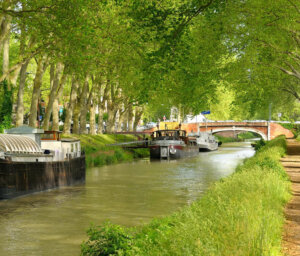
267	130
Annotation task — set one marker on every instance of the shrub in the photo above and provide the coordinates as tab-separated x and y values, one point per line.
259	144
106	240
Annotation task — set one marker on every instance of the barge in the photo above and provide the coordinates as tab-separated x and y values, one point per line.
171	144
32	160
205	140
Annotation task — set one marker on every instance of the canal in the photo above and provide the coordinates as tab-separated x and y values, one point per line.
54	222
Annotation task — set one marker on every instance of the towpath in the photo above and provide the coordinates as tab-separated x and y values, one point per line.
291	163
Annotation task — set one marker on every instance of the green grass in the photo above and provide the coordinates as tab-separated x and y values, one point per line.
240	215
98	154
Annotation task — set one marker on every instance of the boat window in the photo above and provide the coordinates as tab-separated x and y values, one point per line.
72	147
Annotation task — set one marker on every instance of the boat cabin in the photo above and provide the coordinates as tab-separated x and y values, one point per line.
51	135
65	148
71	148
168	135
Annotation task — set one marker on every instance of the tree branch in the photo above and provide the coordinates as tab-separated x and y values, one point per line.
294	5
22	12
189	18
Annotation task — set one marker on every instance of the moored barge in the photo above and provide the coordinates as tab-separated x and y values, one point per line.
205	140
171	144
32	160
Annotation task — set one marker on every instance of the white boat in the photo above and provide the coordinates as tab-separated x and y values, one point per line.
205	141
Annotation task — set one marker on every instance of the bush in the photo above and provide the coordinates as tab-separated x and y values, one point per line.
106	240
259	144
5	106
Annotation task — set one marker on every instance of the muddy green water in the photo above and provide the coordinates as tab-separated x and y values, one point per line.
54	222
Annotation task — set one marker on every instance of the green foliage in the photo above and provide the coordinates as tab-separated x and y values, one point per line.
5	124
295	128
226	139
5	106
141	152
239	215
259	144
106	240
247	135
105	117
226	56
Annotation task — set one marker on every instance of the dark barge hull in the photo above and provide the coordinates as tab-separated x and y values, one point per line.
21	178
181	152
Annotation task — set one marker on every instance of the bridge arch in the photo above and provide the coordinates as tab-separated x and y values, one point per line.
238	129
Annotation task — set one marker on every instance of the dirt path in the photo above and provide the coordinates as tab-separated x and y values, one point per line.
291	239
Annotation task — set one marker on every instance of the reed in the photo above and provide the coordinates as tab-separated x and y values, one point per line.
239	215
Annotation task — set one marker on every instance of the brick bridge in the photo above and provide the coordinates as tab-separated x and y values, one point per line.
267	130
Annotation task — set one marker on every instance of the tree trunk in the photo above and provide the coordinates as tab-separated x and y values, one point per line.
124	121
41	67
20	102
121	120
4	30
55	109
52	74
92	119
137	117
83	107
101	109
5	61
69	114
111	118
130	118
118	120
100	118
115	112
53	95
76	119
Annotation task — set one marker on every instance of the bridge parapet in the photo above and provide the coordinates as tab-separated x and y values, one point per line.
267	130
236	124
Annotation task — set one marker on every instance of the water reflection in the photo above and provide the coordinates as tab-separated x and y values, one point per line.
54	222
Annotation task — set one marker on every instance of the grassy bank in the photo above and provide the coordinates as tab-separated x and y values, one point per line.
239	215
98	154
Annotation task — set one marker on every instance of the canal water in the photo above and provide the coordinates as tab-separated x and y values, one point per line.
54	222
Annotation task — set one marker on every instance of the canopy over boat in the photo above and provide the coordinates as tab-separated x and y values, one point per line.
18	144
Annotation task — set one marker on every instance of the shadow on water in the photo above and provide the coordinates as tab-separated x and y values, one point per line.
54	222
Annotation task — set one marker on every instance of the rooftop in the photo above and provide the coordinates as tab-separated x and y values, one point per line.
24	130
18	144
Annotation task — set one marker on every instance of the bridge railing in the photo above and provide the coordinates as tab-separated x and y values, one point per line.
247	124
